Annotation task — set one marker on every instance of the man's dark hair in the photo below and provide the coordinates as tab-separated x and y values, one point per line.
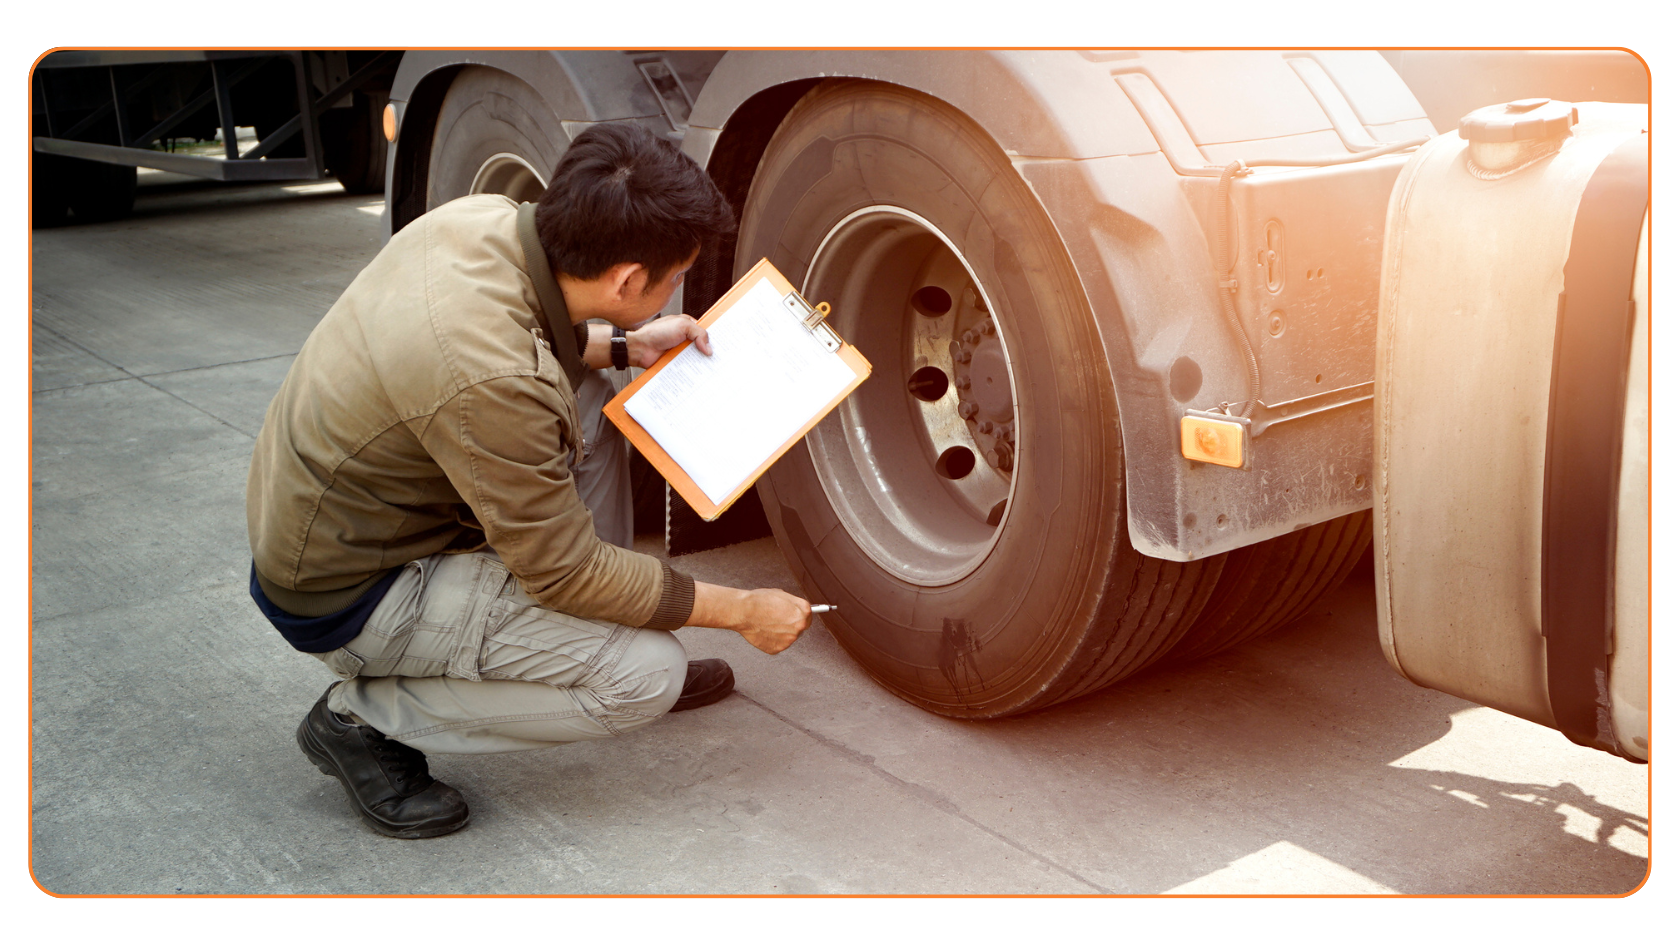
620	194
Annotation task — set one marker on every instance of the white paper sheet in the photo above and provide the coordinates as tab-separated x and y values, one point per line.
721	417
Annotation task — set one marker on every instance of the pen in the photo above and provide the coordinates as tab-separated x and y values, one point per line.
824	608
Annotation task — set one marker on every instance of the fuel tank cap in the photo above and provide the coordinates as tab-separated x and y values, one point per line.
1528	119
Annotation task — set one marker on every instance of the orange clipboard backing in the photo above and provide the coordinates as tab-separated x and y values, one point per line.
674	474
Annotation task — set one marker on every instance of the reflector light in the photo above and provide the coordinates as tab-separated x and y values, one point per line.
390	123
1207	440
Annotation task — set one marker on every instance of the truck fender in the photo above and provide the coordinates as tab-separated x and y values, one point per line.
1137	233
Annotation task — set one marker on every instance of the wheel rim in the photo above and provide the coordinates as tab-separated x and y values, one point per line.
509	175
920	464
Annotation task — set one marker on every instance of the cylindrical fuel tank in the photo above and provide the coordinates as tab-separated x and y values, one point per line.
1510	505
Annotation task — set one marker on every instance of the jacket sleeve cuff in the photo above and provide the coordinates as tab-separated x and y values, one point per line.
676	602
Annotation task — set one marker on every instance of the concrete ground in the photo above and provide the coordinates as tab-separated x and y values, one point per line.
163	705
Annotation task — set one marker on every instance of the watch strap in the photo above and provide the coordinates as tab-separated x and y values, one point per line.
620	349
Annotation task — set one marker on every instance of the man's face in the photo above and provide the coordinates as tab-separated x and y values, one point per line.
653	295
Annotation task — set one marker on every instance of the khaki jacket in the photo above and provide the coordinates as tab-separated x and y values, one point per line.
427	413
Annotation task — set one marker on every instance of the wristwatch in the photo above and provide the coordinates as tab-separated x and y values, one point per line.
620	349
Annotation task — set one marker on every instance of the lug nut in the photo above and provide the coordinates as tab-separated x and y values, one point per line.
986	427
988	328
963	382
967	410
971	337
1000	457
962	356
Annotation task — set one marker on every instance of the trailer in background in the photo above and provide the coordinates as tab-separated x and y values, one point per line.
99	115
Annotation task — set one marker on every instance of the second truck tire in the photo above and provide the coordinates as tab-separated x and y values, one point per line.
966	506
1268	585
494	134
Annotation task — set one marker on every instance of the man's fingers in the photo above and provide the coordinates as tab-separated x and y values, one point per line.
700	338
659	335
772	643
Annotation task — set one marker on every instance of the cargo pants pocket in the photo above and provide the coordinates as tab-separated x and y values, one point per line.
486	610
432	621
343	663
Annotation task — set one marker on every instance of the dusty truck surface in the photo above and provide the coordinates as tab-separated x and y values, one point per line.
1154	332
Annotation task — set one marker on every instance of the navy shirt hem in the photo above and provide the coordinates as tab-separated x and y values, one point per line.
330	631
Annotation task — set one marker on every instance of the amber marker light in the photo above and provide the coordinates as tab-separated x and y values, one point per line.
390	123
1207	440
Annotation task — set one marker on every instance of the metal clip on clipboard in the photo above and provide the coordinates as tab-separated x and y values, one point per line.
812	317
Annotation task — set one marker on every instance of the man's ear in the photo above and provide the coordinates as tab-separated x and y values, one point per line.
627	279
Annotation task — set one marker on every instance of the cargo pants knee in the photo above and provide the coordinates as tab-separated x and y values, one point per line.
458	658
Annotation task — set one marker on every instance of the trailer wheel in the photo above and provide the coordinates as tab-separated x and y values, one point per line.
1271	584
965	507
495	135
353	140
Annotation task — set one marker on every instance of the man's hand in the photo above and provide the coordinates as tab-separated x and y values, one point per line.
656	337
776	619
768	618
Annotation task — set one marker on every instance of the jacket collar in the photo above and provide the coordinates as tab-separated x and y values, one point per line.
552	314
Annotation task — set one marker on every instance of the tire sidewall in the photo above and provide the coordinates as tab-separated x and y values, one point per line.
995	640
488	112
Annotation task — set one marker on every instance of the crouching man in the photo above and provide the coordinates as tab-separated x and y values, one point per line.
429	494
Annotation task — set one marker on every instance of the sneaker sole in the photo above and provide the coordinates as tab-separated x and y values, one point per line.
323	761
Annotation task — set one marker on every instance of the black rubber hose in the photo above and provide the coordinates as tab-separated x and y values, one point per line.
1326	161
1342	159
1228	283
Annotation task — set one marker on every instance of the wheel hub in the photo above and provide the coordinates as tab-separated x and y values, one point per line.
919	464
985	397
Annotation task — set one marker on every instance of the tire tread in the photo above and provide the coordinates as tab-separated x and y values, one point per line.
1274	583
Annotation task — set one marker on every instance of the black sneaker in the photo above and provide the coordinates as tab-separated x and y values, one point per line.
387	781
707	682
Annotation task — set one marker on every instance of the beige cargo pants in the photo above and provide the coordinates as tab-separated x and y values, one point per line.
458	658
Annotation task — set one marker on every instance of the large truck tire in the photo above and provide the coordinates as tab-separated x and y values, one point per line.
965	507
1272	584
494	135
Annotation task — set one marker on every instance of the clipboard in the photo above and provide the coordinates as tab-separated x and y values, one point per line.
811	318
